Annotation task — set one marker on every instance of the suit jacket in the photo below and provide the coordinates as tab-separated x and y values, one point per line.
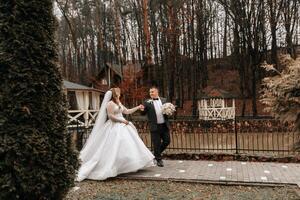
151	114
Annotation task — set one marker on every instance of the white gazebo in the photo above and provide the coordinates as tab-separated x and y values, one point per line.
216	104
84	104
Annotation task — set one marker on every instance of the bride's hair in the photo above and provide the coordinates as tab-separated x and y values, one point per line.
115	93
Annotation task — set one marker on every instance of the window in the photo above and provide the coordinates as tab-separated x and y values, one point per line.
104	81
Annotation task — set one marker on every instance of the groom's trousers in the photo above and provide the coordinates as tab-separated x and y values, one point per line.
160	139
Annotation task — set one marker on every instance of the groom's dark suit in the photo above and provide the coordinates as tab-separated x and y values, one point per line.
159	132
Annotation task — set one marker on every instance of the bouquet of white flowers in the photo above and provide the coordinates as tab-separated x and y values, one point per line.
168	109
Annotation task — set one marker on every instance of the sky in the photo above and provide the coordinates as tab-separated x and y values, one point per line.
56	11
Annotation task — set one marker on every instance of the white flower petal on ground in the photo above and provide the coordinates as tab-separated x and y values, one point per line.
228	169
181	171
210	165
222	177
263	178
76	188
157	175
267	172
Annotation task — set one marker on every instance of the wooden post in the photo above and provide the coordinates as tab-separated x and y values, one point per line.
233	107
199	107
86	113
109	84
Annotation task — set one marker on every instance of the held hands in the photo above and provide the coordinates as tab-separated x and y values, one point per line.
141	107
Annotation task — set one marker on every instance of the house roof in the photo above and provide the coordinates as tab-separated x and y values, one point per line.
116	68
75	86
213	92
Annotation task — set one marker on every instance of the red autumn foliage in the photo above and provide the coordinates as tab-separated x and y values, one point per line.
133	93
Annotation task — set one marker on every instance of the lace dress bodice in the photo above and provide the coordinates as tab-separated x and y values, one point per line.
115	112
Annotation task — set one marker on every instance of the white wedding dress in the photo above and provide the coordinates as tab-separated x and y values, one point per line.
113	147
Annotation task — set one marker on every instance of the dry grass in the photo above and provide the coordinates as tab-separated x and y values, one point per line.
128	189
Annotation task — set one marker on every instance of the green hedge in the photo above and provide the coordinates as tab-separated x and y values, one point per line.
36	157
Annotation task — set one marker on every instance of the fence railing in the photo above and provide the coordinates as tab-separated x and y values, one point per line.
255	137
216	113
82	117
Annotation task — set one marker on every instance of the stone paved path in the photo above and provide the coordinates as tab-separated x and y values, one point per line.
227	172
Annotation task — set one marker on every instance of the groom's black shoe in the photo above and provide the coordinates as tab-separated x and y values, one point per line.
160	163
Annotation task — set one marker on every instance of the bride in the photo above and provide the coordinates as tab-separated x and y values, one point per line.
114	146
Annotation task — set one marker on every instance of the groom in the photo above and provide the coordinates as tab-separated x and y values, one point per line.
158	122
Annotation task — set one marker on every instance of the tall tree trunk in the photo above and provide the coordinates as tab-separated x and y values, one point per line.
147	32
225	36
117	32
274	13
